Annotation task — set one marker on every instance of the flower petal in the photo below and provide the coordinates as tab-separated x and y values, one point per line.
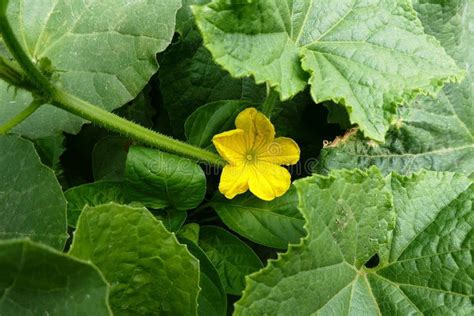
282	151
257	127
231	145
268	181
234	180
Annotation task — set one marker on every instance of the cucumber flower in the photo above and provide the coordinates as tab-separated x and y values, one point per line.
254	157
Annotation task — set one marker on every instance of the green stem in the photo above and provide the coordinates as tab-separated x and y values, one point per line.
270	102
20	117
12	74
116	123
48	92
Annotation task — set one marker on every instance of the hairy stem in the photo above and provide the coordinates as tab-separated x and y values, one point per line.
118	124
45	91
20	117
13	74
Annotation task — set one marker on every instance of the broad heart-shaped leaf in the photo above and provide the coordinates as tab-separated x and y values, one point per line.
232	258
212	298
366	55
38	280
32	203
190	78
273	224
149	271
101	51
419	227
158	179
432	133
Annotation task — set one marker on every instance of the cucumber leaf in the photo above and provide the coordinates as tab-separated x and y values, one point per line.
38	280
432	133
149	271
365	55
375	246
32	204
101	51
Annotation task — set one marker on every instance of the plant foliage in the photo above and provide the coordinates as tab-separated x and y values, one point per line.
109	177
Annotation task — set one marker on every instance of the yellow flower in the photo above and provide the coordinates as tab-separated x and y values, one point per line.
254	157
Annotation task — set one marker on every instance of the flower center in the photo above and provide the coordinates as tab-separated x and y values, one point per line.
250	157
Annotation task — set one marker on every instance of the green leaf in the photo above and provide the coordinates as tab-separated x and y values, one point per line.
418	227
212	298
50	150
273	224
365	55
38	280
423	201
104	192
444	20
430	261
149	271
101	51
93	194
251	39
211	119
190	232
189	77
158	179
232	258
433	133
45	122
109	156
171	219
31	200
